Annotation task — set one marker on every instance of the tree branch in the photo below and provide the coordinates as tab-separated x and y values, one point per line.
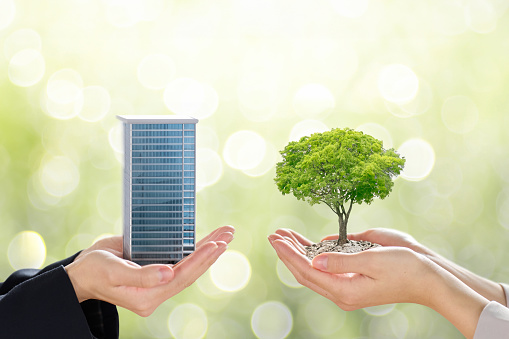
349	208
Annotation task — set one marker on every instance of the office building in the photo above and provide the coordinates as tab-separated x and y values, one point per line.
159	188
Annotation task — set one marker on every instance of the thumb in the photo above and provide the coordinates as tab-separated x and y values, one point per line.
341	262
145	276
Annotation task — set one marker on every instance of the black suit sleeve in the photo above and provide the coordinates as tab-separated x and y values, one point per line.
42	304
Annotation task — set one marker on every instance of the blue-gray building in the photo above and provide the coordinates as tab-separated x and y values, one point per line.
159	188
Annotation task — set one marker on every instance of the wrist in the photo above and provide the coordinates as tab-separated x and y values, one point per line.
72	273
456	301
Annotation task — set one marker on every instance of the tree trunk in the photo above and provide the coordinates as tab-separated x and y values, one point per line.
342	239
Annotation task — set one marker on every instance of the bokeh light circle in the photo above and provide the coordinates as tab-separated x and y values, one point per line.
59	176
349	8
156	71
503	208
460	114
481	16
124	13
188	321
7	13
323	317
244	150
447	176
285	276
206	137
272	320
397	83
27	250
227	279
417	198
62	111
377	131
268	162
209	167
418	105
96	103
107	203
306	128
312	101
153	9
394	325
64	86
115	138
21	39
449	18
186	96
380	310
26	68
420	159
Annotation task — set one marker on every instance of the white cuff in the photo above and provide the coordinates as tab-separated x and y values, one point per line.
493	322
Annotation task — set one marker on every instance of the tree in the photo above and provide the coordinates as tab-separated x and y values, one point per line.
339	167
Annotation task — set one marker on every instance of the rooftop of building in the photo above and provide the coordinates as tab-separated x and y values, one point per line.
157	119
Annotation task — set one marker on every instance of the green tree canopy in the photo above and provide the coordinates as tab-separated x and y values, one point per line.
338	168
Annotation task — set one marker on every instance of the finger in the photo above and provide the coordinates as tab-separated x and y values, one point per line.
297	236
110	244
196	264
302	239
344	263
365	235
288	234
211	235
273	237
290	258
331	237
298	247
226	237
143	277
295	244
320	279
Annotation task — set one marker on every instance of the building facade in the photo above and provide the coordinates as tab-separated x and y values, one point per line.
159	188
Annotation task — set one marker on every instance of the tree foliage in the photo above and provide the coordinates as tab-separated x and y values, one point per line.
339	168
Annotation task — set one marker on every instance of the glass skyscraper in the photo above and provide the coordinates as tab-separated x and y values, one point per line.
159	188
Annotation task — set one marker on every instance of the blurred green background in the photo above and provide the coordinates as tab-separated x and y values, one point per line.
429	78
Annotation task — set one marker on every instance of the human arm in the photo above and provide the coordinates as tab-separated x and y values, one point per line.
59	302
101	273
42	304
381	276
388	237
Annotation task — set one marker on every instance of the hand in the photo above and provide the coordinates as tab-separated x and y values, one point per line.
358	280
388	237
99	272
382	275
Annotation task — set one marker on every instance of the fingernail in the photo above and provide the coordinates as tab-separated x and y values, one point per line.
320	262
221	246
165	274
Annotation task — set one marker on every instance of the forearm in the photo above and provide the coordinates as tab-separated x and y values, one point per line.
49	302
485	287
456	301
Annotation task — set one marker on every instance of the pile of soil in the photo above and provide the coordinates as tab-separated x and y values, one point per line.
352	246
